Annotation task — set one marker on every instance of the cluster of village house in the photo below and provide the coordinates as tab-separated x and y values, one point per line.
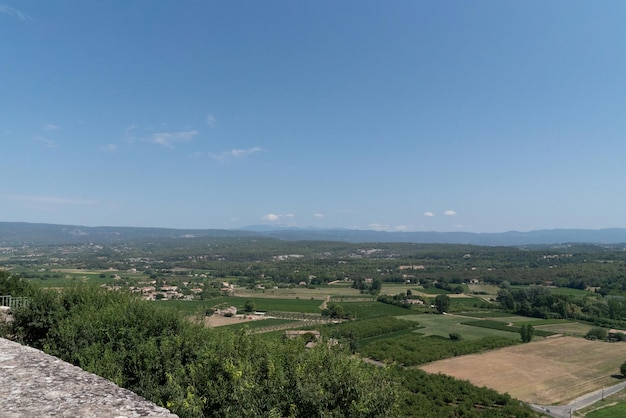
151	291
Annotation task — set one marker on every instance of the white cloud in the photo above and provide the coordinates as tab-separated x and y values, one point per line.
429	214
272	217
211	120
449	213
318	215
109	148
168	138
50	127
50	199
401	228
235	153
4	9
47	142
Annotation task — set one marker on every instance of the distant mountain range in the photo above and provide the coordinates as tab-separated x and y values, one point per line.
20	233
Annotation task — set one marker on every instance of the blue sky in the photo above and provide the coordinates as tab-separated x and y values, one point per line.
480	116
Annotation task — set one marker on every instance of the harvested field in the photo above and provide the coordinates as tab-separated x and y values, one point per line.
547	372
574	329
219	320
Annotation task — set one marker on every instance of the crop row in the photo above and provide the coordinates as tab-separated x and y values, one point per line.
413	349
369	327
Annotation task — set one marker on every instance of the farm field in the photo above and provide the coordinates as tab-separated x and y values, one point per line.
265	304
613	406
339	290
236	322
504	326
574	329
261	304
561	290
484	289
547	372
364	310
443	325
614	411
497	315
396	288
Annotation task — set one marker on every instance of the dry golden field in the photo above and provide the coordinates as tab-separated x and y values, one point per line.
547	372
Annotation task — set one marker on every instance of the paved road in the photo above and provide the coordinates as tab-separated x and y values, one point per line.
565	411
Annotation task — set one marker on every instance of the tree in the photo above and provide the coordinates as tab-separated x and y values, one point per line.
442	303
335	311
506	299
377	285
249	306
622	369
527	332
597	333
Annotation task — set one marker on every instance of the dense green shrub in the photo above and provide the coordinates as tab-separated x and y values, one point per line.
597	333
12	285
433	396
198	372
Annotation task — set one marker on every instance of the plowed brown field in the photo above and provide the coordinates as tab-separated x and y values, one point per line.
546	372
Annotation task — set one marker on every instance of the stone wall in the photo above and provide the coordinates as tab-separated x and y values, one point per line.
34	384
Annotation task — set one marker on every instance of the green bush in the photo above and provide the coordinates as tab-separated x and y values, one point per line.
597	333
198	372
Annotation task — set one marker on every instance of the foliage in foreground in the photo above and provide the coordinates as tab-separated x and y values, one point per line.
197	372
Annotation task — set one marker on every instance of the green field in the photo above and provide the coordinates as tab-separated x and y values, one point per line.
368	328
71	280
65	277
460	302
561	290
364	310
502	326
319	292
395	288
574	329
443	325
615	411
485	289
434	291
490	314
186	306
